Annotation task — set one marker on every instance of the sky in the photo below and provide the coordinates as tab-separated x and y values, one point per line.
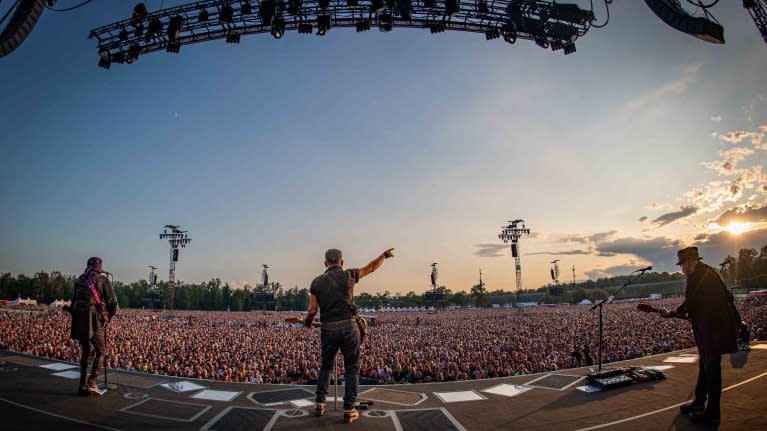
271	151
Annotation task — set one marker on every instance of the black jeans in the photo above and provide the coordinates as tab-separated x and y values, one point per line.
99	345
346	336
709	386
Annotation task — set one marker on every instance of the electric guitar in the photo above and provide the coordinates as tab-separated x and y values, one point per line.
301	321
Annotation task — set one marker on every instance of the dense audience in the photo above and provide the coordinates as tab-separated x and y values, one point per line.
258	347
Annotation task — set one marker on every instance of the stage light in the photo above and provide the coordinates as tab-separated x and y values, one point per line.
139	13
104	63
437	27
305	28
509	33
352	3
324	4
246	8
571	13
174	27
569	48
133	53
405	8
556	45
267	11
123	36
173	47
482	7
493	33
542	42
202	17
376	6
451	7
323	24
294	7
155	28
564	32
278	27
227	14
233	38
362	26
428	3
386	22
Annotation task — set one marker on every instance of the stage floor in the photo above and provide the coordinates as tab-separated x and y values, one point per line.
37	393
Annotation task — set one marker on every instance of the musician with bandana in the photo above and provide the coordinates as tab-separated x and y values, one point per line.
94	303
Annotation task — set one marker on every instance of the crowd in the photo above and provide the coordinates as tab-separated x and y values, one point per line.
258	347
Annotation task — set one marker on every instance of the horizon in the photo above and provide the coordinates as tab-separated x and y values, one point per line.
642	142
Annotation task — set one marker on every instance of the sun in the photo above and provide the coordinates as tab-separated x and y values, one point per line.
737	228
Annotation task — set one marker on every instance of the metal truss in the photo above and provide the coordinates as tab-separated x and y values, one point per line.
548	24
758	11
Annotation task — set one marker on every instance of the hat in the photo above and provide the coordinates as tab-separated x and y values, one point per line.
689	253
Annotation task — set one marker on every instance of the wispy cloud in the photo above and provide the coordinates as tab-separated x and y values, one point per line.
560	253
673	216
657	96
491	250
745	214
643	219
588	239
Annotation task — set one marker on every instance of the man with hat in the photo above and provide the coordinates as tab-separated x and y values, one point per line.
93	305
708	304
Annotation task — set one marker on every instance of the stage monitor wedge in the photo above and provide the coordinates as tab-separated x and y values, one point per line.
671	12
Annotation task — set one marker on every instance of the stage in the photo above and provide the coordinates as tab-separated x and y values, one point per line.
38	393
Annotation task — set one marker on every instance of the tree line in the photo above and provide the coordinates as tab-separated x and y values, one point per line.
746	271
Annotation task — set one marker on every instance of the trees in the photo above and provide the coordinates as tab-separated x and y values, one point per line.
479	293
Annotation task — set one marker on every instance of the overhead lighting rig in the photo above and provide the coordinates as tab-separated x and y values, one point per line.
547	23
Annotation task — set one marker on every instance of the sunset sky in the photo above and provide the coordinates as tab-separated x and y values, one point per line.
271	151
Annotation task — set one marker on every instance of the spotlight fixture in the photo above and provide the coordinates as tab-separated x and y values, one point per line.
352	3
377	6
104	63
139	13
324	4
323	24
233	38
569	48
174	27
405	8
556	45
305	28
173	47
437	27
246	8
509	33
123	36
542	42
226	15
451	7
385	23
294	7
133	53
155	28
493	33
139	31
428	3
267	11
202	17
362	26
482	7
278	27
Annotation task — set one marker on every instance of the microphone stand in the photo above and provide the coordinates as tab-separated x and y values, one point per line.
605	301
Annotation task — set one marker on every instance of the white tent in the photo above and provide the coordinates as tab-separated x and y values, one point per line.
585	302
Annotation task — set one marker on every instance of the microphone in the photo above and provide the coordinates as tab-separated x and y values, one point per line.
644	269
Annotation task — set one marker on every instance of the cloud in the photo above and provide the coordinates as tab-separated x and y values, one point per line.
643	219
716	119
715	247
655	97
673	216
659	251
560	253
491	250
590	239
730	159
612	271
756	138
753	214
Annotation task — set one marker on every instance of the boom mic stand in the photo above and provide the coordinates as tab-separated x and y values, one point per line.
608	300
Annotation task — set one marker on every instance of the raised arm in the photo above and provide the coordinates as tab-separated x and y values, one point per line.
376	263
